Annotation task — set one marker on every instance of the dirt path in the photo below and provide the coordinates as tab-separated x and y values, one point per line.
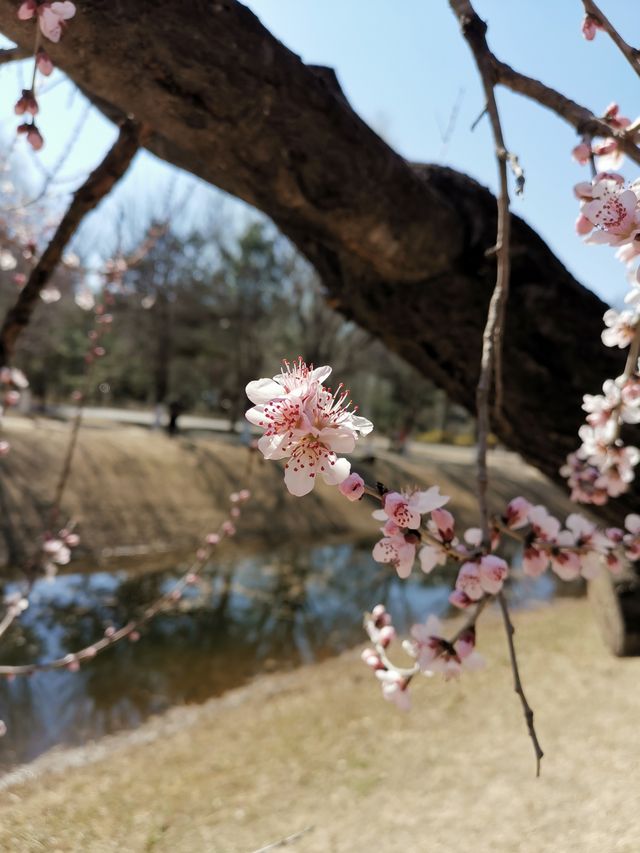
319	748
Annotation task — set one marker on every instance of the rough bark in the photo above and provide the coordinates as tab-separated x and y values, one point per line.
402	248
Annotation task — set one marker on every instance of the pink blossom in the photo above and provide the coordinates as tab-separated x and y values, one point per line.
244	494
517	513
612	207
469	582
493	572
372	659
582	153
396	551
435	654
544	525
444	524
534	561
394	688
431	556
53	18
27	10
405	509
621	328
353	487
306	424
460	599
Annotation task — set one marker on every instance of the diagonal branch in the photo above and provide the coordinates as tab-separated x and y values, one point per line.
583	120
99	183
12	54
631	54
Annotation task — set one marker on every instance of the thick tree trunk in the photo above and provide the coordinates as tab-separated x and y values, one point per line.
401	248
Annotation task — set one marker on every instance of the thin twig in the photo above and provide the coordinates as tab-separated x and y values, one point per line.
631	54
283	842
85	199
517	682
12	54
163	602
474	31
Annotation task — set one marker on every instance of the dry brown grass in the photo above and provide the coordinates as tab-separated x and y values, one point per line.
318	747
132	488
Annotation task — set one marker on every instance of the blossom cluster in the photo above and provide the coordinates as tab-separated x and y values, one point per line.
603	467
305	423
52	19
12	383
427	647
607	150
56	550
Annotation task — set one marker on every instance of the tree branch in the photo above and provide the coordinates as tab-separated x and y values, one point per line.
517	683
99	183
631	54
12	54
582	119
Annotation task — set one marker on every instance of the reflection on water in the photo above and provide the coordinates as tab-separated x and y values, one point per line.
248	615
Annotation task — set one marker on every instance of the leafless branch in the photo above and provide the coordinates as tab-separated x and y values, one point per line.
517	682
99	183
12	54
474	30
631	54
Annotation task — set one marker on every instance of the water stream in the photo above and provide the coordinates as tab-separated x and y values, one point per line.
250	614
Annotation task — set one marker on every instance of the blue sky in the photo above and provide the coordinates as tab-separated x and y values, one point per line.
403	66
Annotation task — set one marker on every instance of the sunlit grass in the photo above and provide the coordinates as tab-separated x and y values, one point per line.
320	747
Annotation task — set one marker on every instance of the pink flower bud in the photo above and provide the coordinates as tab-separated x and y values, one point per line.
4	448
44	63
444	521
352	488
201	554
34	138
228	528
234	512
109	632
234	497
460	599
3	728
213	539
27	10
590	26
26	104
386	635
134	636
244	494
582	153
191	578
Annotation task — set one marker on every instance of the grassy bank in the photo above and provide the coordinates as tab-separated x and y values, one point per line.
319	748
135	492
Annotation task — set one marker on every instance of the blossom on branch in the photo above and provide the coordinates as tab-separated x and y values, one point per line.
52	17
305	423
